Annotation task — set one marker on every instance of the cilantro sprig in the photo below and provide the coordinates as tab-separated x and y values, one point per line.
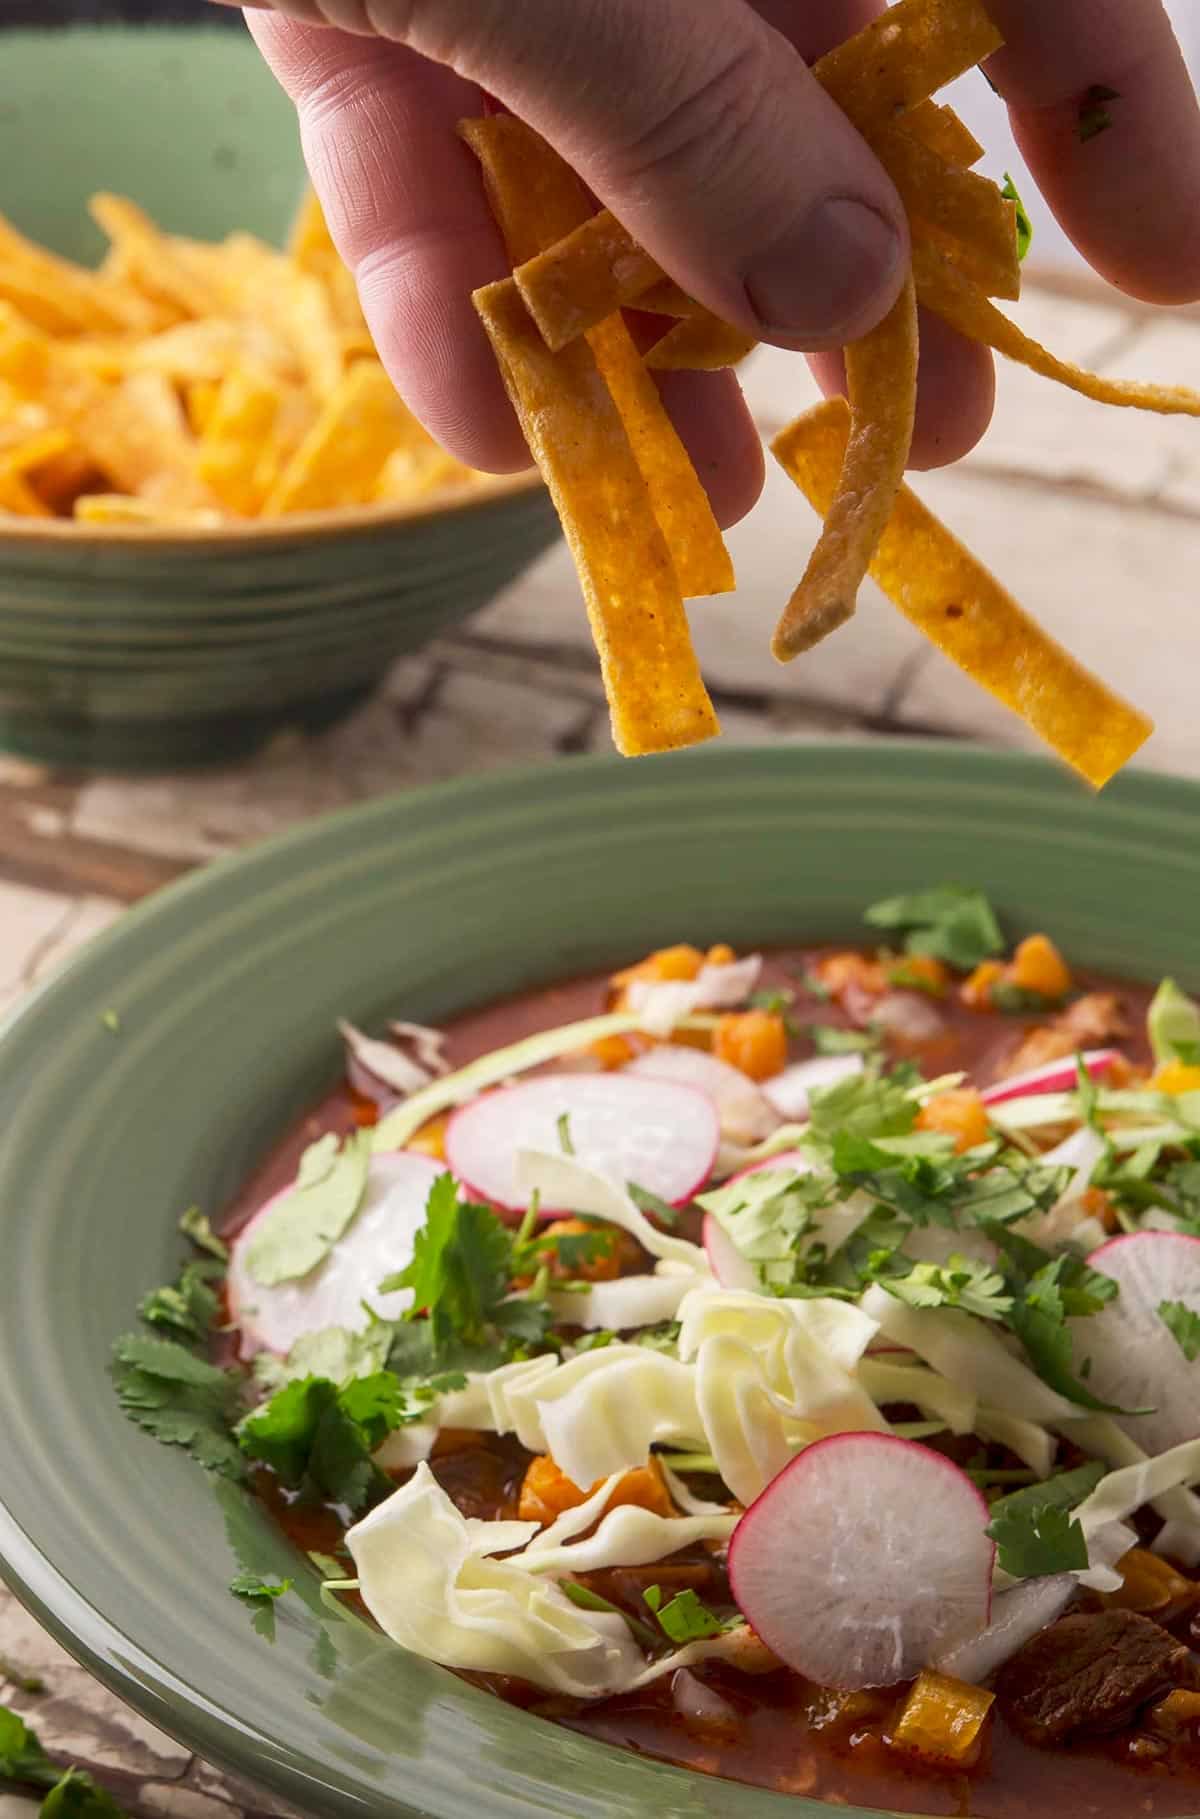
1184	1327
71	1794
180	1398
1034	1530
949	922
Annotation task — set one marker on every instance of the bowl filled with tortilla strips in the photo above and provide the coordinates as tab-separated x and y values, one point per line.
217	519
648	542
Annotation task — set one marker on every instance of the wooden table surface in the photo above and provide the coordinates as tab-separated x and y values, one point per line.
1092	517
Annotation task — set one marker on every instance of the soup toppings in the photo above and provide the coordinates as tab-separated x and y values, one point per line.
816	1335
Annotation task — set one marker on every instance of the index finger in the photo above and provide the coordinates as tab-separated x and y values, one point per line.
1128	194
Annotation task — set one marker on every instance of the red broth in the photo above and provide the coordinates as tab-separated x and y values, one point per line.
776	1731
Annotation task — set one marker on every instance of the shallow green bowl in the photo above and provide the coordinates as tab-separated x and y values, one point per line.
133	649
227	987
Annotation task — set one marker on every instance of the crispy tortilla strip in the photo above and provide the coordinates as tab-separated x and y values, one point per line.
19	498
966	208
904	57
700	343
951	295
519	165
943	132
90	300
152	257
585	278
881	378
415	471
26	453
119	508
241	422
963	610
310	242
579	442
669	299
341	458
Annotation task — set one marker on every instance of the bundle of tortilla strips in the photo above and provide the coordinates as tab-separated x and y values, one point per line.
190	386
634	514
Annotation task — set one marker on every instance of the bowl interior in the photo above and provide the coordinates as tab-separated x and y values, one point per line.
227	988
186	120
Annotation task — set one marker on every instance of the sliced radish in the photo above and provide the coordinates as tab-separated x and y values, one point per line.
908	1016
1016	1616
654	1133
789	1091
746	1115
862	1558
1055	1077
662	1005
1136	1362
725	1260
378	1242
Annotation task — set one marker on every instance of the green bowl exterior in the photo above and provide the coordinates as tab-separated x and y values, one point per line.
127	655
227	987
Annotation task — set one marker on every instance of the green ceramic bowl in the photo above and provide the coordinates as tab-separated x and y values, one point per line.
227	987
137	649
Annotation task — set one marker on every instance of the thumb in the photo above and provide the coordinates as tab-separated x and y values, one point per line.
716	147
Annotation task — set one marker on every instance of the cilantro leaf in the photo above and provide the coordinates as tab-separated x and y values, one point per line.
1024	224
1037	1541
1047	1291
1019	1000
1183	1326
949	923
181	1399
1094	117
828	1039
189	1306
684	1618
1173	1025
871	1104
661	1338
77	1796
459	1270
251	1586
962	1282
335	1352
22	1757
195	1225
301	1230
778	1000
318	1439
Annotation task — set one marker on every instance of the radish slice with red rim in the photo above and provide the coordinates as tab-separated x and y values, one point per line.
789	1091
862	1559
378	1242
746	1115
1055	1077
654	1133
725	1260
1136	1361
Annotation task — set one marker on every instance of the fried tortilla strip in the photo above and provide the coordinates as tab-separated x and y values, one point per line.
341	458
943	132
119	508
240	423
585	278
91	301
19	498
902	58
25	452
951	295
969	210
536	197
881	378
152	258
700	343
669	299
578	439
963	610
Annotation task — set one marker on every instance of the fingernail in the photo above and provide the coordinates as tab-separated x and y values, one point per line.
822	285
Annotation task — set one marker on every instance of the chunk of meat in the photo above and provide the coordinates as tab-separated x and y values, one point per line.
1094	1019
1090	1673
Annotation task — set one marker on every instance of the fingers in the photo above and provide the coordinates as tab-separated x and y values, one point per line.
956	388
717	148
721	437
1129	195
407	211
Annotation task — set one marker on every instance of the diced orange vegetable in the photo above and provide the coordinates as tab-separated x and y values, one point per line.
613	1051
1096	1204
921	971
976	991
840	973
667	963
960	1114
547	1492
605	1266
943	1719
1176	1077
430	1140
1177	1715
755	1041
1151	1586
720	955
1037	966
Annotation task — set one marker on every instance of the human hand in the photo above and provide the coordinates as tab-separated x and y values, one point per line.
726	159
